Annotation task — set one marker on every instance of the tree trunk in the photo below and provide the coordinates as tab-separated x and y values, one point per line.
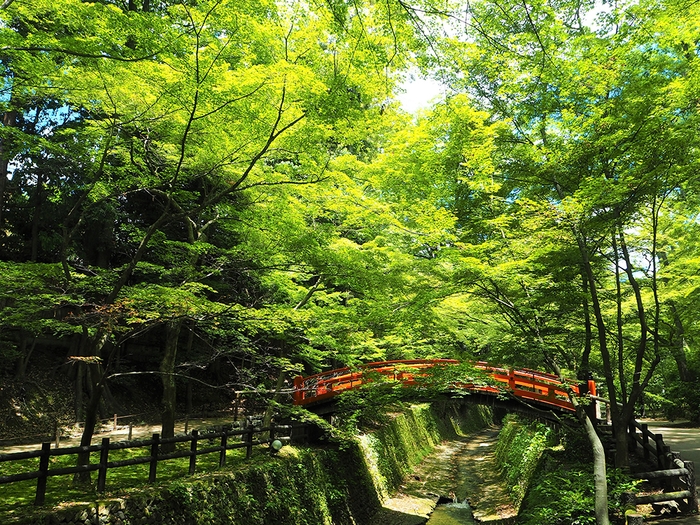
9	119
585	367
621	453
167	370
36	218
93	405
189	407
190	344
25	355
678	344
267	419
78	403
600	481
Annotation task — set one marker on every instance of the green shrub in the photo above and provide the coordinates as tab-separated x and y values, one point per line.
562	493
369	405
681	400
553	484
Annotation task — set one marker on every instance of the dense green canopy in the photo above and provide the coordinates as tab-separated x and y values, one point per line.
233	185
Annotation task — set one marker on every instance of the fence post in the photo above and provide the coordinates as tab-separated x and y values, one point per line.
114	425
659	439
690	479
673	459
249	440
668	462
272	432
43	469
222	454
154	458
645	440
193	451
131	428
57	433
628	502
104	458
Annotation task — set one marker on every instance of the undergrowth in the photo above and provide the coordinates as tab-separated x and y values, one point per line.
562	493
553	479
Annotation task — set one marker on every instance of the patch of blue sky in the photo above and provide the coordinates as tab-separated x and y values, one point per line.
5	89
51	118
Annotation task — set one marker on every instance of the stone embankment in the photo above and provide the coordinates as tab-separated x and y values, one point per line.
113	513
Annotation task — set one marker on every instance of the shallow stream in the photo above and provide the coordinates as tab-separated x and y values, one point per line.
451	514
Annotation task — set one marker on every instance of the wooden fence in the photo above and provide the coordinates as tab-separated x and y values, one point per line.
247	440
676	476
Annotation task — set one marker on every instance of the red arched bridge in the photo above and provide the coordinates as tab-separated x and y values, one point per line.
543	389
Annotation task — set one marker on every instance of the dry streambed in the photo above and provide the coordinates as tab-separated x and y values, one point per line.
456	484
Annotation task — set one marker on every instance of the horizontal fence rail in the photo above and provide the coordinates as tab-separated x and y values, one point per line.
249	437
677	476
531	385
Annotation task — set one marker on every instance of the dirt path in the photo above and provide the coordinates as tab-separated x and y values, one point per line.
71	438
462	470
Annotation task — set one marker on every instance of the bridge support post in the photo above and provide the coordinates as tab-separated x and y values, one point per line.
591	408
298	390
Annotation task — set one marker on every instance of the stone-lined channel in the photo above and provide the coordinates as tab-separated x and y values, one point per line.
462	472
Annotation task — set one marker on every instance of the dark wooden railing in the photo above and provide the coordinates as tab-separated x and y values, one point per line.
247	440
676	476
530	385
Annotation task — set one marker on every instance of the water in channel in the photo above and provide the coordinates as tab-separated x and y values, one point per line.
452	514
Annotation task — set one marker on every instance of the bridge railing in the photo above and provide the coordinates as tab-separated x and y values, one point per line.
536	386
526	384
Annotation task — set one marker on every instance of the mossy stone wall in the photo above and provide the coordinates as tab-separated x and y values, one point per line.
393	450
518	452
